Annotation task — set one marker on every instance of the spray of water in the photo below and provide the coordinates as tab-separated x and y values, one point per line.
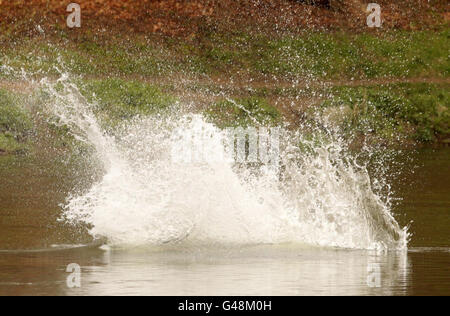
318	195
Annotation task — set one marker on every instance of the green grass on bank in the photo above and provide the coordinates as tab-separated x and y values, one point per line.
15	123
418	112
390	113
332	56
393	54
119	99
387	113
112	100
243	112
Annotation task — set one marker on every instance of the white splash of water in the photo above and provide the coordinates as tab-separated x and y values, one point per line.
319	196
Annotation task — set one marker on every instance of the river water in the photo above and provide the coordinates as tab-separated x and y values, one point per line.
30	194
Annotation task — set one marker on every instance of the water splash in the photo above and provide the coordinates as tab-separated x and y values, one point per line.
318	196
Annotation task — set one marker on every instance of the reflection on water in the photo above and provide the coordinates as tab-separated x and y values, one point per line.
259	271
270	270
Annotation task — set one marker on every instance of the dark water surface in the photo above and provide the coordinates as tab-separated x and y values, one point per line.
30	194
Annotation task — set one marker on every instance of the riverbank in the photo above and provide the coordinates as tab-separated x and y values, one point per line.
387	86
391	114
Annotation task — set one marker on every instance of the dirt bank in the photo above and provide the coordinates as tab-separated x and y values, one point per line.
194	17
